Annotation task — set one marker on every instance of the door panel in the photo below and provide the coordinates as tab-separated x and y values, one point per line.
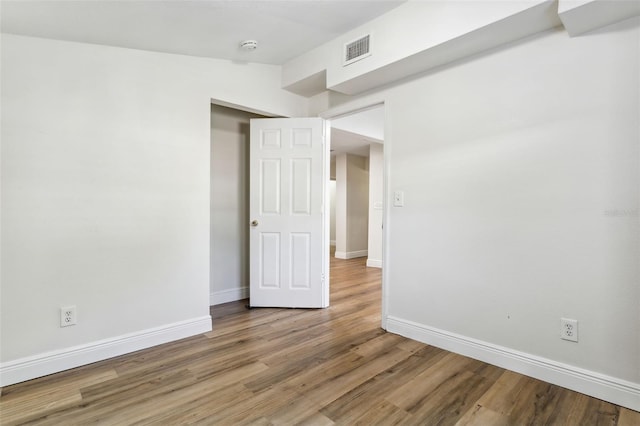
269	260
270	187
300	260
301	186
289	237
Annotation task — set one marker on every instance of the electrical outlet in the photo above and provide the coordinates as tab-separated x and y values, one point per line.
569	329
68	316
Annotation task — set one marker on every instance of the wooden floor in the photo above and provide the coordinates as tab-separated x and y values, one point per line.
314	367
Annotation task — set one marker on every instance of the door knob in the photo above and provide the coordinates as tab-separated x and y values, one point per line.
254	223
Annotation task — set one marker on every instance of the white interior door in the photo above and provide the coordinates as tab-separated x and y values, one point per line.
289	235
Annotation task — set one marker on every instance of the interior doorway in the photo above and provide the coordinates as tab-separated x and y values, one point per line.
357	168
229	204
234	269
229	253
367	120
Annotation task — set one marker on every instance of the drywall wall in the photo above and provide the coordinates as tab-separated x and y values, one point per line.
229	204
357	204
511	164
376	173
332	212
341	201
352	211
418	36
414	37
520	169
581	16
105	195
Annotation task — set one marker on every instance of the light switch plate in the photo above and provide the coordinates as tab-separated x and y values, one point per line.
398	198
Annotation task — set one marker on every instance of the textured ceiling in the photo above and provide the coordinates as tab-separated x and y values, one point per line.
208	28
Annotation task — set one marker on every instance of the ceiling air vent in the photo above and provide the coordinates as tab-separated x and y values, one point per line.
357	49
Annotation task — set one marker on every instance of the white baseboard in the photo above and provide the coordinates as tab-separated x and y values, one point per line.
374	263
55	361
230	295
351	254
617	391
332	242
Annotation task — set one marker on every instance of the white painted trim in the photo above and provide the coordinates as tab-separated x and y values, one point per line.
386	215
229	295
55	361
326	213
374	263
617	391
351	254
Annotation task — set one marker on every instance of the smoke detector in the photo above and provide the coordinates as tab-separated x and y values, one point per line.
249	45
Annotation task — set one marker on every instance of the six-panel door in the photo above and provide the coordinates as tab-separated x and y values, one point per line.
288	235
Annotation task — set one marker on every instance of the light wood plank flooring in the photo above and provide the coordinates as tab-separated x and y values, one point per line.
311	367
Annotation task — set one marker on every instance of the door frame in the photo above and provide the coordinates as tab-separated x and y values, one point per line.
347	108
241	292
354	107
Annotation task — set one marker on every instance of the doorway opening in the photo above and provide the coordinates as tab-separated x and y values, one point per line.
267	210
357	191
360	130
357	143
229	203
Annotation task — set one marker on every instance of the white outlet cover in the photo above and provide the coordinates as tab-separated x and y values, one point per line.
68	316
569	329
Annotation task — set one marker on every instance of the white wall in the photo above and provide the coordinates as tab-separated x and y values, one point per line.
105	195
521	173
357	204
341	203
229	271
414	37
352	212
376	172
332	212
509	167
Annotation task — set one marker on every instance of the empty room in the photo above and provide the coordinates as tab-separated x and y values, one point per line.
171	250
